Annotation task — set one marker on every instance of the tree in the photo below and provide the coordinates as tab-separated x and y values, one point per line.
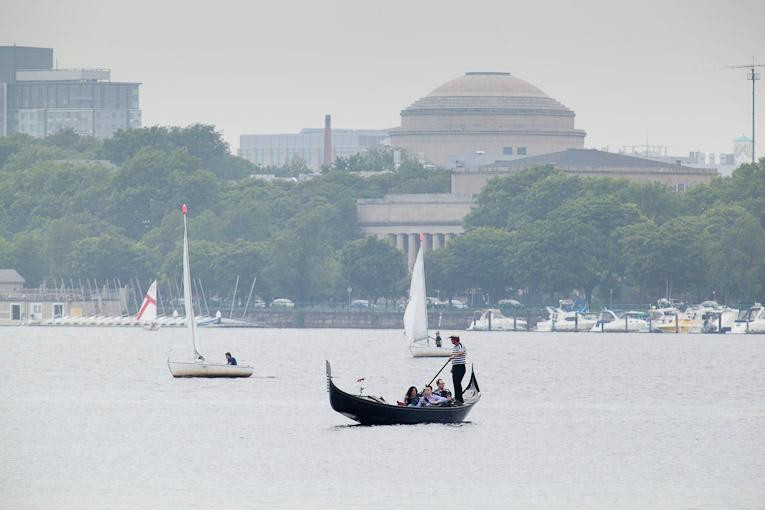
734	243
556	256
668	255
502	199
108	256
372	267
477	260
301	263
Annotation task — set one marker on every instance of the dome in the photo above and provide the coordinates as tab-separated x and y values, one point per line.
487	84
495	115
484	91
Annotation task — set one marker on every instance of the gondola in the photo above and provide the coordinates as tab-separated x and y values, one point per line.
368	410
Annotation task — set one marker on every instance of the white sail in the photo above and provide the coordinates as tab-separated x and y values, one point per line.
191	322
148	310
416	314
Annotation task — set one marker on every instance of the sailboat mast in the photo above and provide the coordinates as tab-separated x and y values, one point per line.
191	320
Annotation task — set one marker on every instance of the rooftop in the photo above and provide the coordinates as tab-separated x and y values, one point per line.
10	276
589	159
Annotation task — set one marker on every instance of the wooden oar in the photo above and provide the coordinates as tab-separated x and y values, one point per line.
439	371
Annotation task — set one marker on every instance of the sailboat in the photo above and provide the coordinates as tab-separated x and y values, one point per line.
147	315
200	367
416	314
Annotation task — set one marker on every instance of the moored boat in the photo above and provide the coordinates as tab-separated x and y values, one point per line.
369	410
494	320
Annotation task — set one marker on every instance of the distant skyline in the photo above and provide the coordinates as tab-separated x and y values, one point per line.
649	73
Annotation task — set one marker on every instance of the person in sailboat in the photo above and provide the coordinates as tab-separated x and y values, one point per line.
230	359
458	367
438	339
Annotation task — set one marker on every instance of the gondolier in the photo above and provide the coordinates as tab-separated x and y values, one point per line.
458	367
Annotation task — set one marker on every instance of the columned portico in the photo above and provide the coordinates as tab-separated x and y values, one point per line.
411	249
403	218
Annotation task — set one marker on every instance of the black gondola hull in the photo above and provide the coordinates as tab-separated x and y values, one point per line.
368	412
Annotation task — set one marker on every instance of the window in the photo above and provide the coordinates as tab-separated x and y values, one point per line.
507	150
521	151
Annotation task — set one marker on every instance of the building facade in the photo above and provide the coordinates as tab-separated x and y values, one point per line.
402	218
588	163
308	145
38	100
489	115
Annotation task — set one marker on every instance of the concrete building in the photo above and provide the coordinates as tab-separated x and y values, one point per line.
308	145
19	305
591	163
402	218
489	114
38	100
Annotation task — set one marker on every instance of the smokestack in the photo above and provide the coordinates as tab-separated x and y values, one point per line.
327	140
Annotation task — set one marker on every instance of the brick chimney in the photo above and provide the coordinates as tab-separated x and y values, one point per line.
327	140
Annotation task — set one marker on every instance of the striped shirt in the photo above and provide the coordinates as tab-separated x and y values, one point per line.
458	351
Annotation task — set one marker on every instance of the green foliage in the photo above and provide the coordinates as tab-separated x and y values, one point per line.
573	233
373	268
475	260
107	256
65	216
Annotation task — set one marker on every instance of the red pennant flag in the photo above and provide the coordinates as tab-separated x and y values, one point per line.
184	209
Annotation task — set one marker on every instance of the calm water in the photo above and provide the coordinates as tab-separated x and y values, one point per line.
90	418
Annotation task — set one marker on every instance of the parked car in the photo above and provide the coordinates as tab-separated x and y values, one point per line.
282	303
360	303
258	303
509	303
456	303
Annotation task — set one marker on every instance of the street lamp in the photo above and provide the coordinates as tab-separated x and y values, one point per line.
349	290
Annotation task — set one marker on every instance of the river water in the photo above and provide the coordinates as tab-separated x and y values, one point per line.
90	418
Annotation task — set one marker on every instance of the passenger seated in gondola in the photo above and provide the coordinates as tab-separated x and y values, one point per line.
412	398
441	390
431	399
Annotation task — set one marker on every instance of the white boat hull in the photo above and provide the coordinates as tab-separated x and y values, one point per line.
426	351
204	369
618	326
498	324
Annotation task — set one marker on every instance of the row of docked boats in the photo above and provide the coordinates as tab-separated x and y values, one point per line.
706	317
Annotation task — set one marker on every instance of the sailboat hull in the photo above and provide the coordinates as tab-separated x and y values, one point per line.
426	351
191	369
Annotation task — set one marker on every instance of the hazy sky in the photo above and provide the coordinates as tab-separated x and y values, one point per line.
634	73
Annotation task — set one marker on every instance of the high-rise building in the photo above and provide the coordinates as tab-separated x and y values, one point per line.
39	100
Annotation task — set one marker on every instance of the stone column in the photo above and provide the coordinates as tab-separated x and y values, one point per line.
449	237
412	250
436	241
400	240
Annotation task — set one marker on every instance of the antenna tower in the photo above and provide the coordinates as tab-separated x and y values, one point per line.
753	75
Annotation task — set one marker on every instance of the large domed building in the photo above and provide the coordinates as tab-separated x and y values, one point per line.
496	116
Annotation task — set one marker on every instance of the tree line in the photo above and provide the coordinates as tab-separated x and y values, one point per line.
73	208
552	234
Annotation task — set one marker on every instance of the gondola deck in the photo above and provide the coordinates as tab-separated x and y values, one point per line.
370	412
